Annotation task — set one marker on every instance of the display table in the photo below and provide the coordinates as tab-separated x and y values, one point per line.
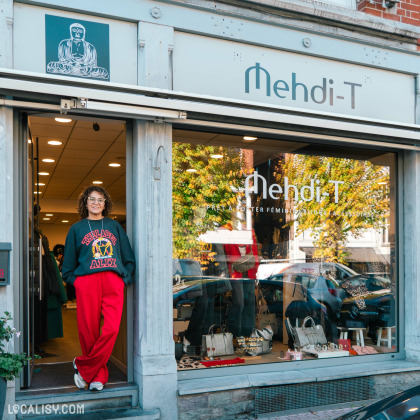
325	354
359	334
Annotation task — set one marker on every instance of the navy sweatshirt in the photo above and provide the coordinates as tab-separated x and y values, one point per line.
88	252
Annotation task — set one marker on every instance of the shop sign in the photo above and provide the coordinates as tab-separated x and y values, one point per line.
77	48
305	192
216	67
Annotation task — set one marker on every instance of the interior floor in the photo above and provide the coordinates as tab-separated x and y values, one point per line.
62	349
55	368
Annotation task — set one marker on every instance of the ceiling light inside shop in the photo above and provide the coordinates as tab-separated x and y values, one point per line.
249	138
97	182
46	218
49	215
64	221
55	142
63	120
48	160
413	409
40	184
43	173
217	156
191	170
37	192
115	165
29	141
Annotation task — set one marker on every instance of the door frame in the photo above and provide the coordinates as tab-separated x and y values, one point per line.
21	295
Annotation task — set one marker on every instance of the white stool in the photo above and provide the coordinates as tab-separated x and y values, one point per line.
359	334
388	338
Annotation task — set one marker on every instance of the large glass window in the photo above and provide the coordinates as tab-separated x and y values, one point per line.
282	251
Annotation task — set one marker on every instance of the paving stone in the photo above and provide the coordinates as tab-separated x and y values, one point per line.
313	415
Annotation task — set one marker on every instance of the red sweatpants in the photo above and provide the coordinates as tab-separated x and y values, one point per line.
95	294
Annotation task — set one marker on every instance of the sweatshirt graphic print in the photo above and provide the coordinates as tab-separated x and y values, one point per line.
94	246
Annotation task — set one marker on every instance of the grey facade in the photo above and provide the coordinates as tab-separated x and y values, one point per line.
151	90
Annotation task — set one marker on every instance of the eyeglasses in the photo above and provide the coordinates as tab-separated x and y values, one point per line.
96	200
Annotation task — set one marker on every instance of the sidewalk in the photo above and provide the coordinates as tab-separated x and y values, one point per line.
313	415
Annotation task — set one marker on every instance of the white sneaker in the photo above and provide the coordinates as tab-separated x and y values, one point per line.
79	381
96	386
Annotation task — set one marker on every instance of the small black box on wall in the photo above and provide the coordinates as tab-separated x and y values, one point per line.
5	248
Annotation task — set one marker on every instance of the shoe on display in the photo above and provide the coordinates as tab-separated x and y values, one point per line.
79	381
96	386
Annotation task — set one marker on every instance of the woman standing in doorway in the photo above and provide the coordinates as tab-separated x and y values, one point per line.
98	261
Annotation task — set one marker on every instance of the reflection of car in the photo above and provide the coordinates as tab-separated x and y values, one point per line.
337	271
403	405
231	302
370	300
185	269
326	291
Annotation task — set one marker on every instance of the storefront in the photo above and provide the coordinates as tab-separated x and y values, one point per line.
265	172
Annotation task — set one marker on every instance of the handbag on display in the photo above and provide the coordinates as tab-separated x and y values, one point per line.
244	263
345	343
309	335
268	319
219	344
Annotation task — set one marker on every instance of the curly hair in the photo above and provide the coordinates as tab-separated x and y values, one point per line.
83	197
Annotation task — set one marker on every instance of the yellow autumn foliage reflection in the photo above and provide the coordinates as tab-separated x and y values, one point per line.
363	200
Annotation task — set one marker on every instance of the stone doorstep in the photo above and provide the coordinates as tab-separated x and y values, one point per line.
110	401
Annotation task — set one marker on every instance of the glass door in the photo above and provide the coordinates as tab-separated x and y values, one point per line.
32	251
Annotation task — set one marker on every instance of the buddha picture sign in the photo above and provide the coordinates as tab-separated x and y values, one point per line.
77	48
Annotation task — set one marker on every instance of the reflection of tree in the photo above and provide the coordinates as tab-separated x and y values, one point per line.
363	201
192	192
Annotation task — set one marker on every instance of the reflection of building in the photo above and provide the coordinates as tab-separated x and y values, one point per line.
369	253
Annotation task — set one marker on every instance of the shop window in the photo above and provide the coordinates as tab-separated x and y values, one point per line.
282	251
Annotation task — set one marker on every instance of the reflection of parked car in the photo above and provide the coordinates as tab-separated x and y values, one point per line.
403	405
214	302
326	291
185	269
370	300
336	271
